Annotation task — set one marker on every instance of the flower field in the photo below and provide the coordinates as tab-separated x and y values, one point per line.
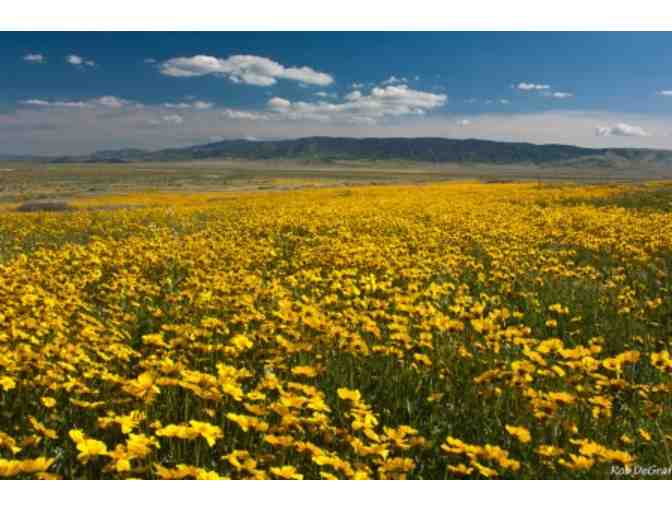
458	330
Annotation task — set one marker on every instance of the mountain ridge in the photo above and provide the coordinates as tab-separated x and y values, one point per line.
422	149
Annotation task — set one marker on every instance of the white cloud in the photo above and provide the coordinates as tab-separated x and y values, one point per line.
177	106
202	105
195	105
198	65
665	93
307	75
243	115
104	101
356	85
504	101
326	94
463	122
561	95
57	104
532	86
404	97
249	69
278	103
35	102
76	60
392	80
35	58
110	101
353	96
359	108
621	129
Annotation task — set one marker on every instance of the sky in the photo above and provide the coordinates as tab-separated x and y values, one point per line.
78	92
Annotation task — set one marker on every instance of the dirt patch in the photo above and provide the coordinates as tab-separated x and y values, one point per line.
44	205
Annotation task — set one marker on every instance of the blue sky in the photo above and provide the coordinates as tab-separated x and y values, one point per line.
77	92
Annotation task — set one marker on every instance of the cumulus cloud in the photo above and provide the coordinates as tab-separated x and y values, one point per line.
35	58
621	129
665	93
380	102
561	95
78	61
401	99
326	94
307	75
463	122
532	86
504	101
356	85
280	104
249	69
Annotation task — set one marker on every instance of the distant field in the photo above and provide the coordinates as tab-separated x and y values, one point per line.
20	181
446	330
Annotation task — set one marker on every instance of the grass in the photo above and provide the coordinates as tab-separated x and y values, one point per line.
654	197
46	181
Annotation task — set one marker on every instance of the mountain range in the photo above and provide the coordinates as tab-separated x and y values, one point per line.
427	150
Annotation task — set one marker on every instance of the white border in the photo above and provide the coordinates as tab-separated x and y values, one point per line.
406	495
340	15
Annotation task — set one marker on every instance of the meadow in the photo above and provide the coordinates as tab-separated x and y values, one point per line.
438	331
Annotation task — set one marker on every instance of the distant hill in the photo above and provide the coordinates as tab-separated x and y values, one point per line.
122	154
22	157
431	150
